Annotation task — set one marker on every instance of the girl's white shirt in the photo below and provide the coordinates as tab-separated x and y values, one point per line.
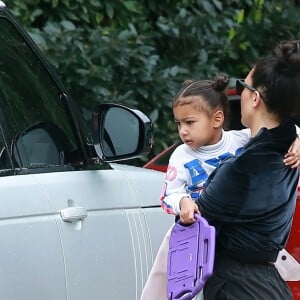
189	169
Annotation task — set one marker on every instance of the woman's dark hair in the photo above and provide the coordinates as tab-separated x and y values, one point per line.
277	78
211	91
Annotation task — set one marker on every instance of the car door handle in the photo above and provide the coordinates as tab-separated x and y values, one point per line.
71	214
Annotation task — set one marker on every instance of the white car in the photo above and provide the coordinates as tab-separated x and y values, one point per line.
74	224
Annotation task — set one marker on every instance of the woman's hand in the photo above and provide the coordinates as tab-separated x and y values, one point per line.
292	158
188	208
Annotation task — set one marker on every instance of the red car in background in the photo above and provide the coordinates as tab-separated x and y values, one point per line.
160	163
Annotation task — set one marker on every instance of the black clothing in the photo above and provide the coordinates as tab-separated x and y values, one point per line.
233	280
251	198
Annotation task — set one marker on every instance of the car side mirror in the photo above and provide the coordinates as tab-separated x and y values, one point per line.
120	133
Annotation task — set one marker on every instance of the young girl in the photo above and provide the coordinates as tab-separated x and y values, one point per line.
199	109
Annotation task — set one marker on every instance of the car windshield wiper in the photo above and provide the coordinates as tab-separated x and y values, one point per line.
42	165
41	168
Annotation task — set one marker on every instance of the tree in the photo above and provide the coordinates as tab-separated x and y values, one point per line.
138	52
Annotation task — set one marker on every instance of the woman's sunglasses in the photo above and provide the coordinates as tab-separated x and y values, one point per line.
240	85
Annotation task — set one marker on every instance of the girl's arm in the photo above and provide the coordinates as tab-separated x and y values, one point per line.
174	186
292	158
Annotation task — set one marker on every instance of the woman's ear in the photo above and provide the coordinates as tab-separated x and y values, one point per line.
218	118
257	98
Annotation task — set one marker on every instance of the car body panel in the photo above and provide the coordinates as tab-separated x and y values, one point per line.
293	246
156	219
110	248
32	265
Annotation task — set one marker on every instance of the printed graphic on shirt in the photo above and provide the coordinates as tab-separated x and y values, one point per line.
239	151
171	173
216	161
198	177
198	174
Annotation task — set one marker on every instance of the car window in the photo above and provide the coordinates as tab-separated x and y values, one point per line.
31	99
39	145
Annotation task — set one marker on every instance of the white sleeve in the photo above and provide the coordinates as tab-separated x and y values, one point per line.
174	187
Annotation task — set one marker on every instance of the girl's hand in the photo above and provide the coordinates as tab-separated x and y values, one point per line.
188	208
292	158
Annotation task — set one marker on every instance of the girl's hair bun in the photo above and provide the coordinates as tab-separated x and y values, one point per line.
220	82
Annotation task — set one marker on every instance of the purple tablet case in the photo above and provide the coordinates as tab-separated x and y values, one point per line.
190	259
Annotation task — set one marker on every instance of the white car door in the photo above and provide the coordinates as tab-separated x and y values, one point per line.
32	263
100	225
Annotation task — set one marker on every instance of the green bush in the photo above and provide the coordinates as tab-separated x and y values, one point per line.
138	52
